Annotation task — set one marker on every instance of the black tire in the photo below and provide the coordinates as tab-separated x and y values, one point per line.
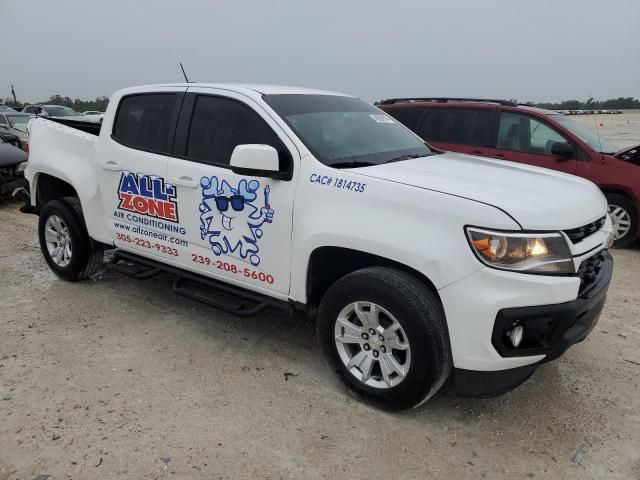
86	256
623	202
419	312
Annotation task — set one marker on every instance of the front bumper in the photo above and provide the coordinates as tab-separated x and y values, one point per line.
549	330
474	304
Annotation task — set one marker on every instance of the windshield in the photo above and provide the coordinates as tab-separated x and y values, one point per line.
56	111
586	135
346	130
19	121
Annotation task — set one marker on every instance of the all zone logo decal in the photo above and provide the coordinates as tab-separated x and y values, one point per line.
148	195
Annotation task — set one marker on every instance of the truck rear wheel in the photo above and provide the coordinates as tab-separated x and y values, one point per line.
64	241
384	334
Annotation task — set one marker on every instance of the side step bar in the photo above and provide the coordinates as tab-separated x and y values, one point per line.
220	295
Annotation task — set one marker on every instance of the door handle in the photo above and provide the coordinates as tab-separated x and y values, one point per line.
499	155
111	165
185	182
477	152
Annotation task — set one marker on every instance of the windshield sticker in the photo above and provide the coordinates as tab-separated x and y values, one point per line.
148	195
232	217
381	118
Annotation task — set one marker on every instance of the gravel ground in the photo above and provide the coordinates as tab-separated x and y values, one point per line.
115	378
622	130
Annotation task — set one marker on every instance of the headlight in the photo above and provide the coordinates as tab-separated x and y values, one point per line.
542	253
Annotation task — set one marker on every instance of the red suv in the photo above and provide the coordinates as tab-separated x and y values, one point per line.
505	130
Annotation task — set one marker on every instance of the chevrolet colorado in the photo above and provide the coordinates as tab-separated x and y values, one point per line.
421	266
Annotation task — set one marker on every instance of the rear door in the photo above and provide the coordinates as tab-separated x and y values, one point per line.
238	227
132	156
527	139
458	129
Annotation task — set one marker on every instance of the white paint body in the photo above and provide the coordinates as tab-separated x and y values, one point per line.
412	212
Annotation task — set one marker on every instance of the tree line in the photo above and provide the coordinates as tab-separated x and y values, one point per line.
100	103
79	105
610	104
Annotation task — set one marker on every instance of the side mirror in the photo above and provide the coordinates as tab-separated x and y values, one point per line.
563	150
256	161
4	126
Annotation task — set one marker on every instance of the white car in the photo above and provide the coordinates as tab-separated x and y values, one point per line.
93	116
419	265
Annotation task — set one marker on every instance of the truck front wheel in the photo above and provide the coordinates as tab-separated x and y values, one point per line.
625	220
384	334
64	241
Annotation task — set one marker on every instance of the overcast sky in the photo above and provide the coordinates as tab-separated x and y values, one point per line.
529	50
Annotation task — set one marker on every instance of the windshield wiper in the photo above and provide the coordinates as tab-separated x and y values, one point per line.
404	157
351	164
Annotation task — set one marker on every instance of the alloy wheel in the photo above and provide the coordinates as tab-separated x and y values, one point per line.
58	240
372	345
621	221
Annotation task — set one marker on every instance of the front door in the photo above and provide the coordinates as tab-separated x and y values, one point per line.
525	139
238	227
140	204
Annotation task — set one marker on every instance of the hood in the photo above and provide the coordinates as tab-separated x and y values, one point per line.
21	134
537	198
629	154
69	117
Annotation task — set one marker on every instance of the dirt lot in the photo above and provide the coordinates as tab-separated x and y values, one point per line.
622	130
113	378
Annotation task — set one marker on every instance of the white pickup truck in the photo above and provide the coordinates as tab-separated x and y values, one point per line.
421	266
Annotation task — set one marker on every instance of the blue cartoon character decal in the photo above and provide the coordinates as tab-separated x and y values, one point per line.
231	219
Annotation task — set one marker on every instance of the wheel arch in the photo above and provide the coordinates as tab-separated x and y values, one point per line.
48	187
330	263
617	191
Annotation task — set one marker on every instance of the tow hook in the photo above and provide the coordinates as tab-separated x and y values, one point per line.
21	194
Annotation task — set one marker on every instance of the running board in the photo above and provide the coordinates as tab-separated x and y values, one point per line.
217	294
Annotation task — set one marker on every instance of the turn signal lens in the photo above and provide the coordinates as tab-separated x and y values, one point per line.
522	252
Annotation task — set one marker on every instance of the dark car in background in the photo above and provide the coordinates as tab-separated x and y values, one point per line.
52	111
12	162
505	130
15	123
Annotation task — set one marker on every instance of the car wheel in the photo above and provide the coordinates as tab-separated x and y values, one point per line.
625	220
384	334
64	241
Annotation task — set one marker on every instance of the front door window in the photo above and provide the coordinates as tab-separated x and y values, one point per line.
522	133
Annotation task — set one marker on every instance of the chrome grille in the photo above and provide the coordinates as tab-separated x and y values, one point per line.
578	234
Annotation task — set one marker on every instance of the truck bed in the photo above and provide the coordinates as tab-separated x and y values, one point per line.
89	127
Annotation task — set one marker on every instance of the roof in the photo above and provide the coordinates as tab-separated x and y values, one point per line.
457	102
431	100
261	89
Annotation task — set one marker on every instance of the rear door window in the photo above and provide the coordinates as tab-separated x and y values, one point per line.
408	116
143	121
465	126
